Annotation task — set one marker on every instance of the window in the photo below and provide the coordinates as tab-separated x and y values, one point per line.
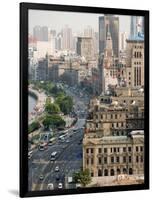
117	159
137	149
115	116
87	161
87	150
124	149
99	150
92	161
105	160
112	159
137	159
105	172
99	161
114	150
129	149
105	150
118	149
91	150
124	159
99	172
141	148
141	158
92	174
129	159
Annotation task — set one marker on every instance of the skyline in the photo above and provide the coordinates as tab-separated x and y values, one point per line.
44	18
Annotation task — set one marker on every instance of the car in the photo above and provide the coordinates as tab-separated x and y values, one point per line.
41	177
67	141
57	169
50	186
60	186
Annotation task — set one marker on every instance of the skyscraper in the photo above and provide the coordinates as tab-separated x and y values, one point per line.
67	38
112	22
37	33
85	47
137	25
123	41
44	33
40	33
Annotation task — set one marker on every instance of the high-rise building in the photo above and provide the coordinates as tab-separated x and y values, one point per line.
123	41
42	70
108	66
85	47
40	33
135	62
66	38
88	32
137	25
112	22
44	31
37	33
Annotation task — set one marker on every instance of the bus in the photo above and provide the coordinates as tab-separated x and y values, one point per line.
64	132
61	138
51	141
53	156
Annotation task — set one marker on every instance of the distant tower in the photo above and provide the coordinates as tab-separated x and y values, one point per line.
112	22
67	38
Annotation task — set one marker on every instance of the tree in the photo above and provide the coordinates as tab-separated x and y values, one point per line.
53	121
65	103
83	177
33	126
52	108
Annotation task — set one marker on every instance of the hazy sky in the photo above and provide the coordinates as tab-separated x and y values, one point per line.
77	21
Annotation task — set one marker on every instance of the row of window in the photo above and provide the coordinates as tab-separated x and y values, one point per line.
109	116
115	149
113	172
137	54
114	159
137	63
138	47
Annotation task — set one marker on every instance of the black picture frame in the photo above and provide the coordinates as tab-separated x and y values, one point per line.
24	7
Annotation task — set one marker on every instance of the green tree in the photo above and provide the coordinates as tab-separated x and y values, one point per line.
53	121
33	126
65	103
52	108
82	177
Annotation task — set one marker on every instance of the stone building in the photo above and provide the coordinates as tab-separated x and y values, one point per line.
85	47
113	141
113	155
135	62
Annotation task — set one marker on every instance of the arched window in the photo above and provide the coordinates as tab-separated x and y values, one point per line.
118	171
124	171
130	171
99	172
112	172
105	172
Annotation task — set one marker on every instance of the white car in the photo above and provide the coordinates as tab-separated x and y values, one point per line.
50	186
60	186
57	169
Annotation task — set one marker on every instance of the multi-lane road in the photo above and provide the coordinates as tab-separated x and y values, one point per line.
69	153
